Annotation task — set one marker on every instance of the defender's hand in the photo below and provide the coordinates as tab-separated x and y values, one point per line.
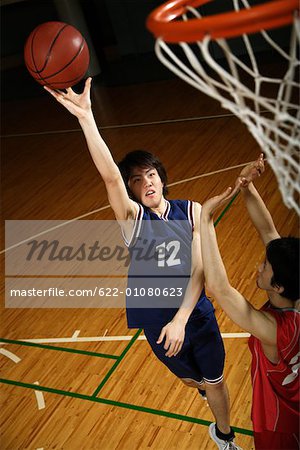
212	204
252	171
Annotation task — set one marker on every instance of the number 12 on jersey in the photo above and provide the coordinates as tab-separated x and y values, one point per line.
167	254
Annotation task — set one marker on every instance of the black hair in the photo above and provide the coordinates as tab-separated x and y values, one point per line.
283	255
144	159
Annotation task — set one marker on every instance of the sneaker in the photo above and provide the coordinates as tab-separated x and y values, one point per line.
222	445
202	393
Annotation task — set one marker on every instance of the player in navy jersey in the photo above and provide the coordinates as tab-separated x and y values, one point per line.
163	237
275	328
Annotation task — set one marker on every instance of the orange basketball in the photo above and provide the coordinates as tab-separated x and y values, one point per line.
56	55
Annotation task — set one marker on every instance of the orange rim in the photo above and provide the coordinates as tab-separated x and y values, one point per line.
273	14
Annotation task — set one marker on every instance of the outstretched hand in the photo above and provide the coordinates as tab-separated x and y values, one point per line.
78	104
212	204
252	171
249	173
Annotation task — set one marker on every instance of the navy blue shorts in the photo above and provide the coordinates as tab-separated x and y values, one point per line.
202	355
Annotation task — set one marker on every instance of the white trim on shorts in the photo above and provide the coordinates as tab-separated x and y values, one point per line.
217	381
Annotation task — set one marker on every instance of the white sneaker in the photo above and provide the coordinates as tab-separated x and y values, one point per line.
222	445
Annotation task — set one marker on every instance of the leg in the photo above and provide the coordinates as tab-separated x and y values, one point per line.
209	355
218	400
186	367
195	384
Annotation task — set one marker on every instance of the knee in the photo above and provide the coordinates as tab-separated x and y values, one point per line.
193	383
216	386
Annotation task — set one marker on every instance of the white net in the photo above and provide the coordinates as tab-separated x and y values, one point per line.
266	101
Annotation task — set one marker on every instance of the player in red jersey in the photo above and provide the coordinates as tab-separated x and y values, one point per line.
275	328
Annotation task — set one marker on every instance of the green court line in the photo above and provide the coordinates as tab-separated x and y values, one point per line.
61	349
119	404
113	368
225	210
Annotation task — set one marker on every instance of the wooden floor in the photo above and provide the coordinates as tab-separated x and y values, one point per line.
48	175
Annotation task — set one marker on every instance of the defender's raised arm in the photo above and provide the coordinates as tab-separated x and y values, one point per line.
256	207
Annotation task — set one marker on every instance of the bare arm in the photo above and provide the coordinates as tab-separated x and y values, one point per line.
258	212
174	331
260	324
196	282
80	106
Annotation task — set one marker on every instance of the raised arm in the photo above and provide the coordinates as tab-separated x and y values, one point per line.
260	324
174	331
80	106
258	212
196	282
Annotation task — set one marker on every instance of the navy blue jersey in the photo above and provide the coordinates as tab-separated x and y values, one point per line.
160	265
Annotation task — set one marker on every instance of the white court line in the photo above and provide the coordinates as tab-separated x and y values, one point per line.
67	222
54	228
76	334
39	397
111	338
10	355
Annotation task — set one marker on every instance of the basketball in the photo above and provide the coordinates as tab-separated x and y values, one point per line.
56	55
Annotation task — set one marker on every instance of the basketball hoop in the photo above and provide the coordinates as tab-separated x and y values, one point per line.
206	59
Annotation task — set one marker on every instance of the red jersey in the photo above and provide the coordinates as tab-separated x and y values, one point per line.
276	397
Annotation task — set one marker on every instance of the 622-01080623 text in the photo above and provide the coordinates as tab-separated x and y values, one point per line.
141	292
